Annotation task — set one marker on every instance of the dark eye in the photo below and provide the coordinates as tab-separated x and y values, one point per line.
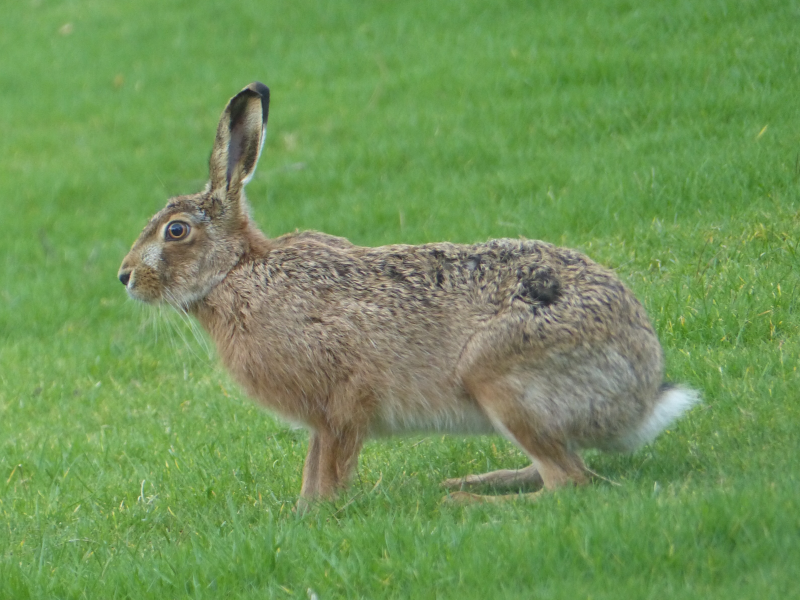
177	230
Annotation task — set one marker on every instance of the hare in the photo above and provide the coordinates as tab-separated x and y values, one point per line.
517	337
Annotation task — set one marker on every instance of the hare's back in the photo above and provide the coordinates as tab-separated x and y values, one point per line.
499	276
483	279
554	297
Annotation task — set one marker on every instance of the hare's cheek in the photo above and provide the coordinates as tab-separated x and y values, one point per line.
151	257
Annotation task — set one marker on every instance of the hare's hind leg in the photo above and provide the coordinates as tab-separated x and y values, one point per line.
553	461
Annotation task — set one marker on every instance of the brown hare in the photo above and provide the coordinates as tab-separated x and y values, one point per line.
516	337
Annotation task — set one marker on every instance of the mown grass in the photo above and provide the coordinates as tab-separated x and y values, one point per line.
661	139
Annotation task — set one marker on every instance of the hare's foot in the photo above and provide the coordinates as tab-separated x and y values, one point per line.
504	478
303	506
468	498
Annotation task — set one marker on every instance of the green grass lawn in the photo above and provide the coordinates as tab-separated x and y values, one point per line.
663	139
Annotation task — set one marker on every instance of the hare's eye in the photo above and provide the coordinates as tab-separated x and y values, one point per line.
177	230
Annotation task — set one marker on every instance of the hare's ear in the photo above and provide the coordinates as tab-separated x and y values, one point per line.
240	137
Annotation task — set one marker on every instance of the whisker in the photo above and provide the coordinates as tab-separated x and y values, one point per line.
188	322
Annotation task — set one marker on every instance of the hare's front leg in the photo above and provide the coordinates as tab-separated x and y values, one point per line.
311	468
329	463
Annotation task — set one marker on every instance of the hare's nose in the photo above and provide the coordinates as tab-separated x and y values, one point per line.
125	277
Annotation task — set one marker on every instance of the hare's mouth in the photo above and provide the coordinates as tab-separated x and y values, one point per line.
137	294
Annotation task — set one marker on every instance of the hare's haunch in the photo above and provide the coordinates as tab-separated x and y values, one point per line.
516	337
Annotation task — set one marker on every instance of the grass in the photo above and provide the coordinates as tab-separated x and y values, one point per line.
661	139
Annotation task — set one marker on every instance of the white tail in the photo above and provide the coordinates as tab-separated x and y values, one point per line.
672	403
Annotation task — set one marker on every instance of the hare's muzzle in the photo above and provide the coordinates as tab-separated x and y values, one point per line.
124	276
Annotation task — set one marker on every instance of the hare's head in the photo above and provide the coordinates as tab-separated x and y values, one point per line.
190	246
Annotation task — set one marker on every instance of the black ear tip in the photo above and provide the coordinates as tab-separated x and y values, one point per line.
263	91
238	103
260	88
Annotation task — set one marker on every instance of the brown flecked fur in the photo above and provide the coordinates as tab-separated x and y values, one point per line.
519	337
